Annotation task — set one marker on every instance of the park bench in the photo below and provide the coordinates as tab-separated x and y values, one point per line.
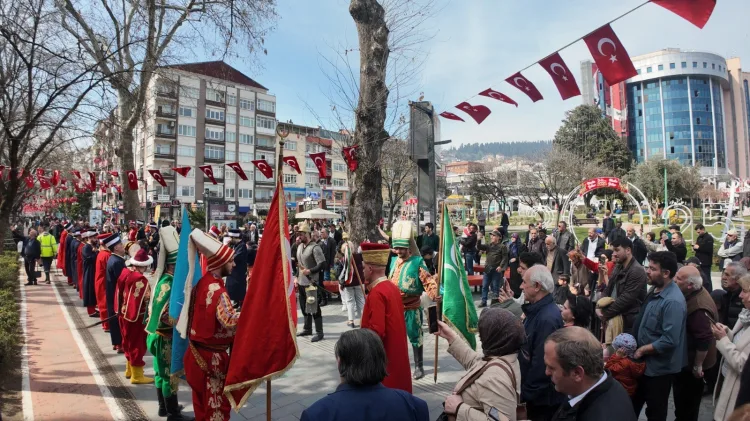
582	221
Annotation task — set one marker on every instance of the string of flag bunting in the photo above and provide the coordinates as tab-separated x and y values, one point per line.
606	49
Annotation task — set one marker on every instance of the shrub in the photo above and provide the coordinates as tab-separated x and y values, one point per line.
9	320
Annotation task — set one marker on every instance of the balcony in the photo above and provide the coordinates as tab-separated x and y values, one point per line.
165	154
264	130
220	104
268	146
214	141
166	112
169	176
215	122
165	92
262	200
165	134
261	179
219	160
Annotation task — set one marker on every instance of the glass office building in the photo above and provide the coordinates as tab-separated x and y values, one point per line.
675	108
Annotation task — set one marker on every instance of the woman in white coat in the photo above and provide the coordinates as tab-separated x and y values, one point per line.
734	347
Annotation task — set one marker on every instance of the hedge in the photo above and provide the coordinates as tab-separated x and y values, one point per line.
9	312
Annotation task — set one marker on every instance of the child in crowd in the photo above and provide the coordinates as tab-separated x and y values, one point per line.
623	367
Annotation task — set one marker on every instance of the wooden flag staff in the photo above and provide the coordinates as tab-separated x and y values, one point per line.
439	302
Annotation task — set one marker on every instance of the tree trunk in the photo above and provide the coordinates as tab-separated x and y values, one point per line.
131	203
366	199
6	205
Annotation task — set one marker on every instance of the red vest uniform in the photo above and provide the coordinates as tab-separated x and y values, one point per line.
61	252
212	323
134	295
100	285
132	234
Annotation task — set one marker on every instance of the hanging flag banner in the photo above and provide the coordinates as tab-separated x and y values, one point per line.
696	12
92	177
610	55
55	180
114	173
76	173
319	159
263	167
158	177
450	116
350	156
208	171
238	169
601	183
40	172
489	92
43	182
292	162
183	171
132	180
561	75
29	181
525	86
478	112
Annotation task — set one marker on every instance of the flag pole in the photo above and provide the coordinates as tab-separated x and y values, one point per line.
268	400
439	276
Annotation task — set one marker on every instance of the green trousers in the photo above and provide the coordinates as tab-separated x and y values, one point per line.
161	348
414	326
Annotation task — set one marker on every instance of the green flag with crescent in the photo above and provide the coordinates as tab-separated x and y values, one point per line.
459	310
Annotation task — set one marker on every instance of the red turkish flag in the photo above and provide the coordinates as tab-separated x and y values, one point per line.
238	169
92	177
450	116
489	92
2	169
292	162
40	172
158	177
55	180
208	171
114	173
76	173
525	86
350	156
696	12
132	180
183	171
268	314
29	181
561	75
319	159
610	55
119	189
43	182
477	112
263	167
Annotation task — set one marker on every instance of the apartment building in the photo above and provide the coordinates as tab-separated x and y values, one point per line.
207	113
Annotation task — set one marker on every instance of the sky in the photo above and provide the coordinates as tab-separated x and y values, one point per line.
476	44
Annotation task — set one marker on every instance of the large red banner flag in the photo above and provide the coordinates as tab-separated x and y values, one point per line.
696	12
268	314
561	75
610	55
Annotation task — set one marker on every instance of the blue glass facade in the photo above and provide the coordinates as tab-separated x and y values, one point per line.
660	123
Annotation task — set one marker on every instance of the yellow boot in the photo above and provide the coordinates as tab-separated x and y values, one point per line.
128	371
138	377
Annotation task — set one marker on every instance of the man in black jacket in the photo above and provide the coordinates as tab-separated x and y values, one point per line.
615	233
469	247
608	224
704	249
574	362
627	285
32	251
677	246
329	250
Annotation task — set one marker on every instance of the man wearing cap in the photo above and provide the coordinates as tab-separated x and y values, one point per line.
384	314
100	279
135	291
494	265
89	254
141	234
63	244
311	263
115	265
731	250
237	280
49	249
210	321
409	273
159	327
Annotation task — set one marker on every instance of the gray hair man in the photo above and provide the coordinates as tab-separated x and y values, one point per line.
688	384
574	363
729	301
542	318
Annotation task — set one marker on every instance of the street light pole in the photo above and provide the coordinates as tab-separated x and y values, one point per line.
207	208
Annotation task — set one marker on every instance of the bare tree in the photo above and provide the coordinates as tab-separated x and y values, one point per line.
47	95
399	174
146	34
493	185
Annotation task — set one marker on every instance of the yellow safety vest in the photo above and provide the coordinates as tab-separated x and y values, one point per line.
49	245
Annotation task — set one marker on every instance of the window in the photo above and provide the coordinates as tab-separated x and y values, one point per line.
214	95
290	145
188	191
218	171
648	70
684	64
713	66
246	139
213	152
339	167
245	157
263	194
185	130
695	64
638	71
230	175
229	193
696	93
661	67
247	104
266	123
290	178
189	92
672	65
186	150
230	155
244	194
161	190
309	164
705	65
163	149
339	182
214	114
232	99
311	181
247	122
214	134
697	120
230	137
265	142
267	106
231	119
187	112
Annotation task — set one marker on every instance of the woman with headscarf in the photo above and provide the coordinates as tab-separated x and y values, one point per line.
492	383
515	248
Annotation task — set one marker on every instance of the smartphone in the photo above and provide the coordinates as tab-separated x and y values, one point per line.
432	316
710	319
602	260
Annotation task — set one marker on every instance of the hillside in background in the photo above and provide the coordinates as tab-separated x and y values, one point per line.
478	151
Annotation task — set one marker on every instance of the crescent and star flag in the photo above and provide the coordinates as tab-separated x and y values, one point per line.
92	177
183	171
238	169
76	173
158	177
451	116
696	12
350	155
561	75
319	159
610	55
29	181
132	180
177	298
525	86
263	167
55	180
477	112
43	182
292	162
267	315
40	172
459	310
208	171
489	92
114	173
